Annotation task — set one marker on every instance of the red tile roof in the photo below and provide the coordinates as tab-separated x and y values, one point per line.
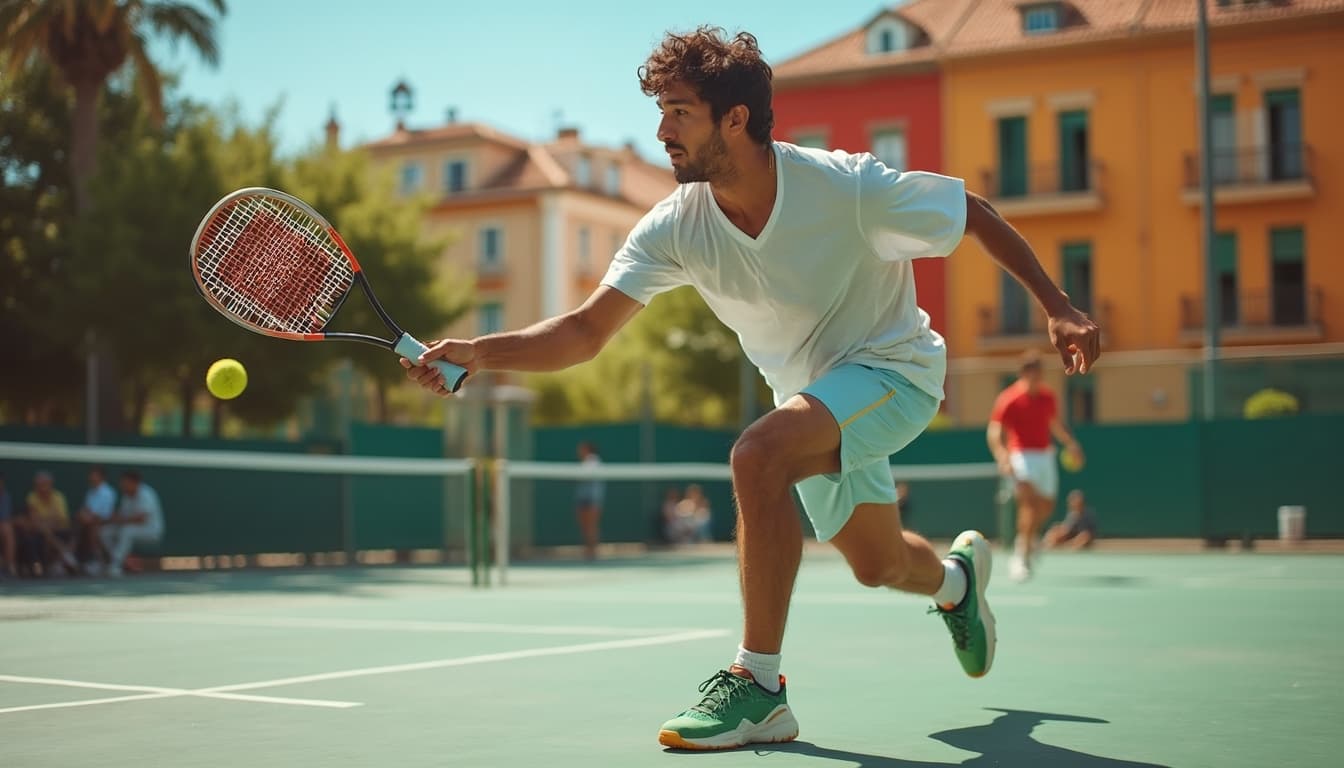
965	28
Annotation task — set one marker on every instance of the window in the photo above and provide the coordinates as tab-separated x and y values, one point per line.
491	256
1014	311
1039	19
1225	271
490	317
583	173
888	36
815	140
454	176
1012	156
889	147
1073	159
1285	134
1288	276
1077	259
613	182
585	252
411	176
1223	121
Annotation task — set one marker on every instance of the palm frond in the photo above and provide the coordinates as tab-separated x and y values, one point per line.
179	20
147	77
24	27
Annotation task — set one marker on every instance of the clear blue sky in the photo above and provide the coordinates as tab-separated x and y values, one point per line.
514	65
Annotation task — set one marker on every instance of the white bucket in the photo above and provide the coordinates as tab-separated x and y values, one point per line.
1292	523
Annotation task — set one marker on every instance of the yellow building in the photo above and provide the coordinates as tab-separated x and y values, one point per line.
533	225
1078	119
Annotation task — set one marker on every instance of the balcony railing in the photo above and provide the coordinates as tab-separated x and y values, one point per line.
1268	164
1254	314
1046	188
1002	331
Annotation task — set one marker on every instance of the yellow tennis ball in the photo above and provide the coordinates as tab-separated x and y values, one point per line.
1072	461
226	379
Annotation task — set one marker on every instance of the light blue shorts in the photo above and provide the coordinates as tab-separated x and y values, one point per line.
879	413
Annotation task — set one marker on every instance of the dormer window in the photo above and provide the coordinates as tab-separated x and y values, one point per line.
1040	19
613	183
890	35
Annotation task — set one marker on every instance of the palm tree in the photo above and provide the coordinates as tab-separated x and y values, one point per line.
88	40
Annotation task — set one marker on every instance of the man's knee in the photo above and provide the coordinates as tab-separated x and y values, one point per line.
757	455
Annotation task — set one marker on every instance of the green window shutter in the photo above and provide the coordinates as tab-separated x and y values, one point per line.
1077	263
1073	151
1286	245
1225	253
1012	156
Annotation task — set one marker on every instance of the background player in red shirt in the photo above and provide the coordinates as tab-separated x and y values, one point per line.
1024	419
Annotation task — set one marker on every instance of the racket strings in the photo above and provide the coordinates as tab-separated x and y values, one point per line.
273	266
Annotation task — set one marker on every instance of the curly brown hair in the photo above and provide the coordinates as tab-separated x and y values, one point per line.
723	72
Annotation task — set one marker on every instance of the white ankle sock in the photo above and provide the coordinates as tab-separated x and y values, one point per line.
953	590
762	666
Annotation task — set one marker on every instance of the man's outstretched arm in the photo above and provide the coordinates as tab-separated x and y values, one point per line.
1072	332
550	345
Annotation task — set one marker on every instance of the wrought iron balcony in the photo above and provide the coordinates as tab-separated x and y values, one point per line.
1263	315
1046	189
1271	171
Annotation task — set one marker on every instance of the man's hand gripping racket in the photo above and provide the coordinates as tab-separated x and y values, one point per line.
270	263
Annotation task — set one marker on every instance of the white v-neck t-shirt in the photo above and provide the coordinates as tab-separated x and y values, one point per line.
828	281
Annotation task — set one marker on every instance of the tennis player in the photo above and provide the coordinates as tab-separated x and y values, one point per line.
806	255
1022	428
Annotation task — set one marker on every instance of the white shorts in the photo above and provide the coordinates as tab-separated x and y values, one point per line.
1037	468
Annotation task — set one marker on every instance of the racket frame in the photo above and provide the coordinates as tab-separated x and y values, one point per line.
403	344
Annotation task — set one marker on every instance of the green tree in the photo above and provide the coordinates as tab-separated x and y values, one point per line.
688	359
384	233
89	40
36	215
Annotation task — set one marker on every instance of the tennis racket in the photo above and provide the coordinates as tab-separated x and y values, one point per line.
270	263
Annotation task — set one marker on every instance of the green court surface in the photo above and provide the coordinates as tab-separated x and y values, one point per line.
1105	660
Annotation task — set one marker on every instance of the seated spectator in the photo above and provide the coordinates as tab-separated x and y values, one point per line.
139	518
7	548
99	502
44	530
690	519
1079	527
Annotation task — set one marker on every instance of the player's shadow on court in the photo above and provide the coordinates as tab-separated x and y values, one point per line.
1005	742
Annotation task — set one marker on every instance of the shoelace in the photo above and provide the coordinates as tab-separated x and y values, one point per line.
957	625
719	691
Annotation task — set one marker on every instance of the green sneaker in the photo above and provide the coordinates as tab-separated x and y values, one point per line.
972	623
734	711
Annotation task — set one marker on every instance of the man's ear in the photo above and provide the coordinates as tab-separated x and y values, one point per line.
735	120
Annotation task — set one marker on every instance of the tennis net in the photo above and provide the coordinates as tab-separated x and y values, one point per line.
226	508
537	503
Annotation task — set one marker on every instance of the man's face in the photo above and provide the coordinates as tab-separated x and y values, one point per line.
129	486
95	478
1032	376
42	485
691	137
1075	501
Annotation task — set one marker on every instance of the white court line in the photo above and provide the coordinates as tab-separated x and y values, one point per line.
155	692
731	597
227	691
395	625
487	658
87	702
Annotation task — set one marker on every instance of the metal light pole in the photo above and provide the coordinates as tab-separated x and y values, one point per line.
1211	297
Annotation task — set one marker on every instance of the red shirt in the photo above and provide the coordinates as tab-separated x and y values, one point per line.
1025	416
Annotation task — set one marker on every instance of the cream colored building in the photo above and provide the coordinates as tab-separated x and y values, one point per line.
534	225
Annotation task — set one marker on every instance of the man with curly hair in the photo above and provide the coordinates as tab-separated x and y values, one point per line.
806	255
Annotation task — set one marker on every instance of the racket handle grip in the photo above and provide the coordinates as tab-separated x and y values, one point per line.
411	349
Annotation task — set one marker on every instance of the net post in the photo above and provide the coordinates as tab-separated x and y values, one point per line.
503	519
